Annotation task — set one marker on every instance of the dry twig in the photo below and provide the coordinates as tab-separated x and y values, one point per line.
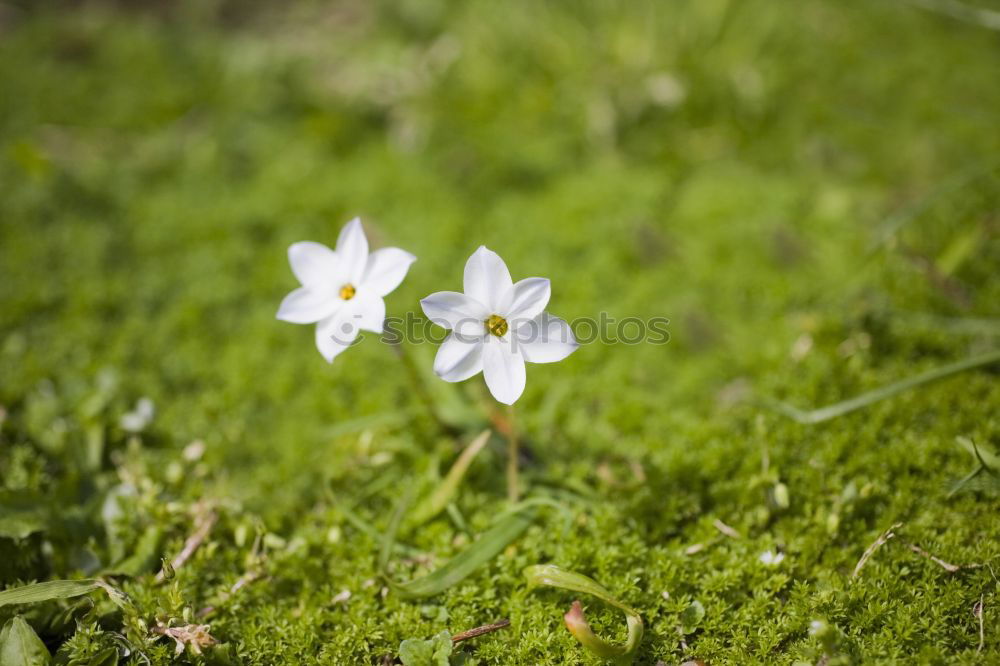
255	571
694	549
725	529
977	610
885	536
192	543
479	631
947	566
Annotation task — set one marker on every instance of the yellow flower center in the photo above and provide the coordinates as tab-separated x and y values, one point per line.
347	292
497	325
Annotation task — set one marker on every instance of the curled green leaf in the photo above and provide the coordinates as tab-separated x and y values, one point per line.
576	622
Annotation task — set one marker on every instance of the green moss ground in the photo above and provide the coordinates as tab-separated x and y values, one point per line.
808	190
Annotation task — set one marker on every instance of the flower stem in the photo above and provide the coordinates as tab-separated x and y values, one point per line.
512	445
420	387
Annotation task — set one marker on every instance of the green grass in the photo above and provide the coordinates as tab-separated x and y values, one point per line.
810	192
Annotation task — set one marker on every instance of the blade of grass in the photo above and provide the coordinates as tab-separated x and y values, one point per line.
989	461
379	420
961	11
895	222
958	325
362	526
838	409
59	589
435	503
576	622
484	549
959	485
389	538
985	462
540	501
462	565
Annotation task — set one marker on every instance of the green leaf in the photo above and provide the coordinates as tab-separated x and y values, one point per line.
20	524
146	555
576	622
961	247
20	645
438	500
990	461
507	528
59	589
221	654
53	589
692	616
432	652
106	657
871	397
985	462
363	526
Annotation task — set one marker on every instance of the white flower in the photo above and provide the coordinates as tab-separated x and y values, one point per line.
342	289
771	558
140	417
496	326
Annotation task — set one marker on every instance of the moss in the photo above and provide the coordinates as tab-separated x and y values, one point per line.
809	197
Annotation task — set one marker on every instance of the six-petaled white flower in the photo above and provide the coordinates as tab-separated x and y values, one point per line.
496	325
342	289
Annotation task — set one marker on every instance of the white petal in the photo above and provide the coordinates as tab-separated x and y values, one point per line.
368	312
459	358
386	269
306	305
545	339
352	250
450	309
313	263
335	334
527	299
503	369
487	279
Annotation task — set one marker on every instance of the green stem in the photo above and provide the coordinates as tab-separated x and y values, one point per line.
513	492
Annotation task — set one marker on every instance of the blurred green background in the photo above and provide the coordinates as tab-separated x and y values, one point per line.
809	191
